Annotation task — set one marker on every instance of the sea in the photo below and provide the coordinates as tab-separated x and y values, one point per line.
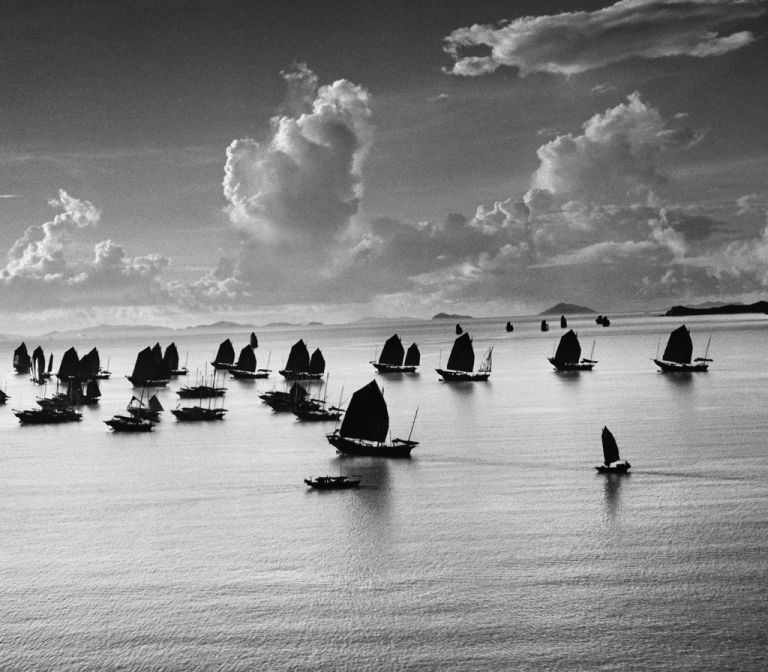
497	546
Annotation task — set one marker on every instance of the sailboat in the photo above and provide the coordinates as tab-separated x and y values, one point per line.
149	411
245	367
149	370
280	401
611	462
21	359
677	355
509	327
394	359
315	410
563	322
462	360
129	423
365	426
38	366
225	356
171	359
199	413
568	355
299	365
69	367
544	325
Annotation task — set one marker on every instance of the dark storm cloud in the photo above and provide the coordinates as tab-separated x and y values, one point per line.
574	42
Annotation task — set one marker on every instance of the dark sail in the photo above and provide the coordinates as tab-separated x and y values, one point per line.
569	349
38	362
459	329
298	359
247	360
171	357
226	353
610	447
563	322
254	341
92	389
392	352
297	393
462	355
679	346
413	356
89	365
366	416
509	327
144	368
317	363
50	363
154	404
21	360
69	367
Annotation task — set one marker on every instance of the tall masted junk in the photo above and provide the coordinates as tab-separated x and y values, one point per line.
462	360
394	358
678	353
365	426
568	355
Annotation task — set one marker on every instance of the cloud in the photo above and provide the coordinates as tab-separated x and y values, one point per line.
304	183
616	155
40	274
573	42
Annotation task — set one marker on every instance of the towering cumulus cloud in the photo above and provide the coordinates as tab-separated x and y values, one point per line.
574	42
302	185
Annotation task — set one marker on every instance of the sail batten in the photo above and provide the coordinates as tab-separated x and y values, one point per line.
366	416
462	357
679	346
610	447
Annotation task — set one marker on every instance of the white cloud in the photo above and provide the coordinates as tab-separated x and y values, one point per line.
575	42
303	184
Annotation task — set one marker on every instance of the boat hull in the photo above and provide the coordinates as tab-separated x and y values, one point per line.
222	366
348	446
130	425
620	468
138	382
249	375
450	376
300	375
47	417
675	367
570	366
198	414
394	368
332	483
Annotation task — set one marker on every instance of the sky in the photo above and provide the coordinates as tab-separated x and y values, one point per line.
181	162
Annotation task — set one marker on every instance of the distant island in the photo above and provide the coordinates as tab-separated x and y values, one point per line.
567	309
451	316
223	324
726	309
